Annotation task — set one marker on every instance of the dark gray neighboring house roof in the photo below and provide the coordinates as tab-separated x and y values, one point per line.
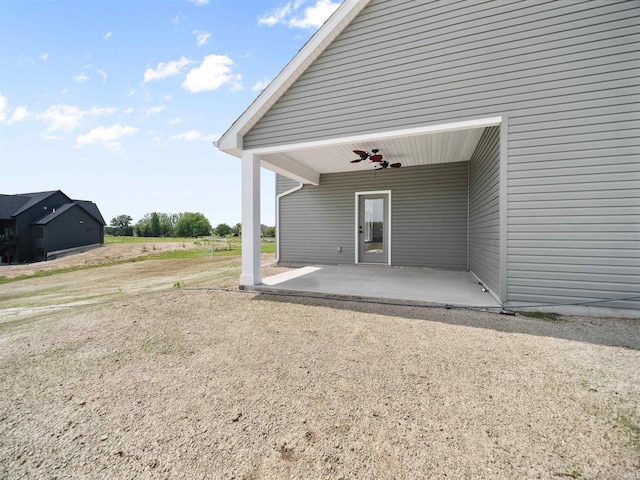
9	204
34	198
13	205
89	207
92	209
57	211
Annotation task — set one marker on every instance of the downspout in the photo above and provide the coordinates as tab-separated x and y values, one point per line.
283	194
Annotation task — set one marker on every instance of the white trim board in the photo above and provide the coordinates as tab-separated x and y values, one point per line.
365	137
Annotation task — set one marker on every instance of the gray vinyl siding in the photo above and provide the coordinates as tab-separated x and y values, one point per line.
428	216
484	209
567	75
430	62
284	184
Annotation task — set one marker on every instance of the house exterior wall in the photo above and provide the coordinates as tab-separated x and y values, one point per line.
484	209
428	216
73	228
33	214
567	76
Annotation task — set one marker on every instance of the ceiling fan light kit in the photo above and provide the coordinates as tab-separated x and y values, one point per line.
374	158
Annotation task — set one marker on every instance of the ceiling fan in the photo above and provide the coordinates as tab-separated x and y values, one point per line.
374	157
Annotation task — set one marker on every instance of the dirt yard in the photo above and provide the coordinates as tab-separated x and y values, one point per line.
114	373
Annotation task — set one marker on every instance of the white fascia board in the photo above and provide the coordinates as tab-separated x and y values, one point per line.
366	137
231	140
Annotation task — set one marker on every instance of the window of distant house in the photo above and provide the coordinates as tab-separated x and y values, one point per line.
39	233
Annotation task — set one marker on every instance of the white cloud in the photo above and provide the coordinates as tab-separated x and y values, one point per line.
168	98
128	110
315	15
3	106
312	16
107	136
176	121
200	2
201	37
165	70
214	72
81	78
66	118
44	56
103	74
154	110
260	85
279	14
192	135
107	35
178	19
102	111
19	114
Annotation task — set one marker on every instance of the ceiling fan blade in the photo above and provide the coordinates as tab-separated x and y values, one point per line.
356	160
395	165
361	153
375	158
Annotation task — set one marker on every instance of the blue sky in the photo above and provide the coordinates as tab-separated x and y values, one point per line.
119	101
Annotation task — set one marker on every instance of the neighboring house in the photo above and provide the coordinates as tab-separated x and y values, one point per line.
40	226
517	124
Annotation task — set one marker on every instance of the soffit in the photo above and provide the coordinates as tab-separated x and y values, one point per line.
423	149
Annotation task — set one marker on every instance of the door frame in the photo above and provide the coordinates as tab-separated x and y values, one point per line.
388	224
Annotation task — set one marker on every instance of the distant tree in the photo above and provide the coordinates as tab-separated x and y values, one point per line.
192	225
168	223
155	225
122	225
269	232
143	227
222	230
238	229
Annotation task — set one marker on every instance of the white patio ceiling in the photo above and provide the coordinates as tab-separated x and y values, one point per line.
413	150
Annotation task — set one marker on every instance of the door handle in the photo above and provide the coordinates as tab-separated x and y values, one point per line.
360	230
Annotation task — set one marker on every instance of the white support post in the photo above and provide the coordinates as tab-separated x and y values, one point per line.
250	220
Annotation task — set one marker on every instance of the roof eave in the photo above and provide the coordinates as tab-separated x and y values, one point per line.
231	140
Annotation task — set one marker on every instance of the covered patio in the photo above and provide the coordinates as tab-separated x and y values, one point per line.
424	230
433	146
401	285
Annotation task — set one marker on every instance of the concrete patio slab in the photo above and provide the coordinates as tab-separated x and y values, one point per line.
383	282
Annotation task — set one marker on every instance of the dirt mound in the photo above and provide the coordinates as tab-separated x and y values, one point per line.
105	254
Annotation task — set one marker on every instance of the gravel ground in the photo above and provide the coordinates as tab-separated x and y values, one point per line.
207	383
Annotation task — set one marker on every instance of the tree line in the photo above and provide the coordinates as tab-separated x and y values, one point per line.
188	224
